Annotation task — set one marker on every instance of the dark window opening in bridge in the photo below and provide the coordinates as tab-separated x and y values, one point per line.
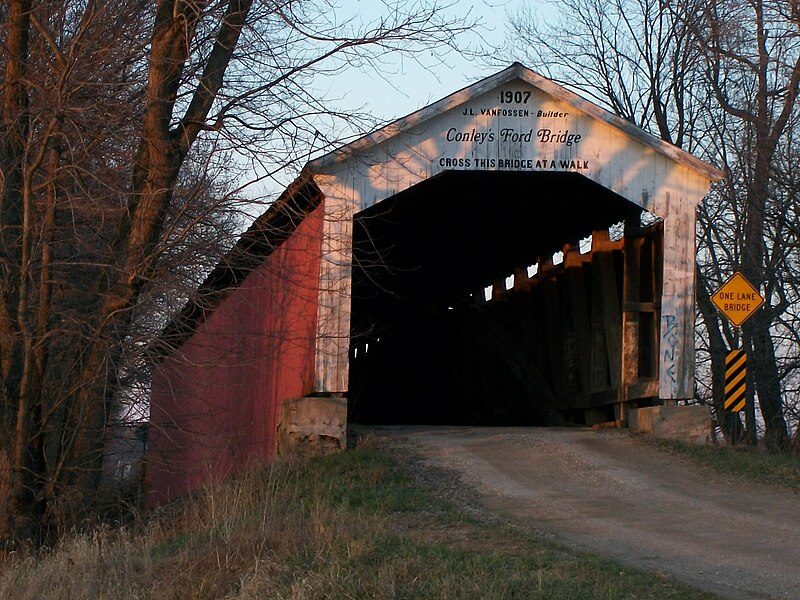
479	323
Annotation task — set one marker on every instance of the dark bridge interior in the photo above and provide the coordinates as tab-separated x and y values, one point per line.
428	348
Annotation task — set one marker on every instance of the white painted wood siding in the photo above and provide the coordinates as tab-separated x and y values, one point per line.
515	121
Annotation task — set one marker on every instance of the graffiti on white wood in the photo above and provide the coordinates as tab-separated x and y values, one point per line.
671	345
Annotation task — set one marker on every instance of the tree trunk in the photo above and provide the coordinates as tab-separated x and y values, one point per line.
15	417
768	385
158	161
758	328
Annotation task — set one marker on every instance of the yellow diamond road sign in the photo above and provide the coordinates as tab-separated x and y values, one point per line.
737	299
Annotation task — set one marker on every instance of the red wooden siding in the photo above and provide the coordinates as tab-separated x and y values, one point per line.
215	401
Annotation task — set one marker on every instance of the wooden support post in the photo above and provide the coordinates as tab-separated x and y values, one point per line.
551	316
631	306
332	361
657	265
612	314
600	376
630	319
576	290
677	355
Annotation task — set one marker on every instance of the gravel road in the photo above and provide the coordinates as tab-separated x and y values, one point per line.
608	492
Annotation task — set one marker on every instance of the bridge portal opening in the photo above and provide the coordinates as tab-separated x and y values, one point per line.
497	298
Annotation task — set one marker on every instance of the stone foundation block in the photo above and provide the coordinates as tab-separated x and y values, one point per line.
312	426
683	423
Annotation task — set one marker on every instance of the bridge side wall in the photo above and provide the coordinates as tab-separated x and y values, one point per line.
216	400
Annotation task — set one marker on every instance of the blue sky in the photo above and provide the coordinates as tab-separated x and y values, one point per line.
404	84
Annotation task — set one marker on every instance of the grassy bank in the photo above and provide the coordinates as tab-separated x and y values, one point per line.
350	526
755	464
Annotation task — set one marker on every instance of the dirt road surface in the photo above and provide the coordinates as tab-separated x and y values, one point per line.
612	494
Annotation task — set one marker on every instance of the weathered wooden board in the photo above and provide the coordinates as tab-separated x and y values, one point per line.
335	281
676	361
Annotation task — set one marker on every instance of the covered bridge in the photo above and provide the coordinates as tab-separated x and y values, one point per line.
512	254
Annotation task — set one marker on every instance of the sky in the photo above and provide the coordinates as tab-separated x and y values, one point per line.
404	84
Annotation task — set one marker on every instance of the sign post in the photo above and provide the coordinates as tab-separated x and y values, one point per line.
737	300
735	378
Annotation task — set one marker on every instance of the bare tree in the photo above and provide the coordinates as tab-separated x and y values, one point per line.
630	56
719	79
752	57
102	107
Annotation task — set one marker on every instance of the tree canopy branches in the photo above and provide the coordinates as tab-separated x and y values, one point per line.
125	127
719	79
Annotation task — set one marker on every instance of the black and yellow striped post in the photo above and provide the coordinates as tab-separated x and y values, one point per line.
735	380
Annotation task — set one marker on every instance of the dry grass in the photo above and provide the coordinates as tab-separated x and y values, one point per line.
352	526
754	464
